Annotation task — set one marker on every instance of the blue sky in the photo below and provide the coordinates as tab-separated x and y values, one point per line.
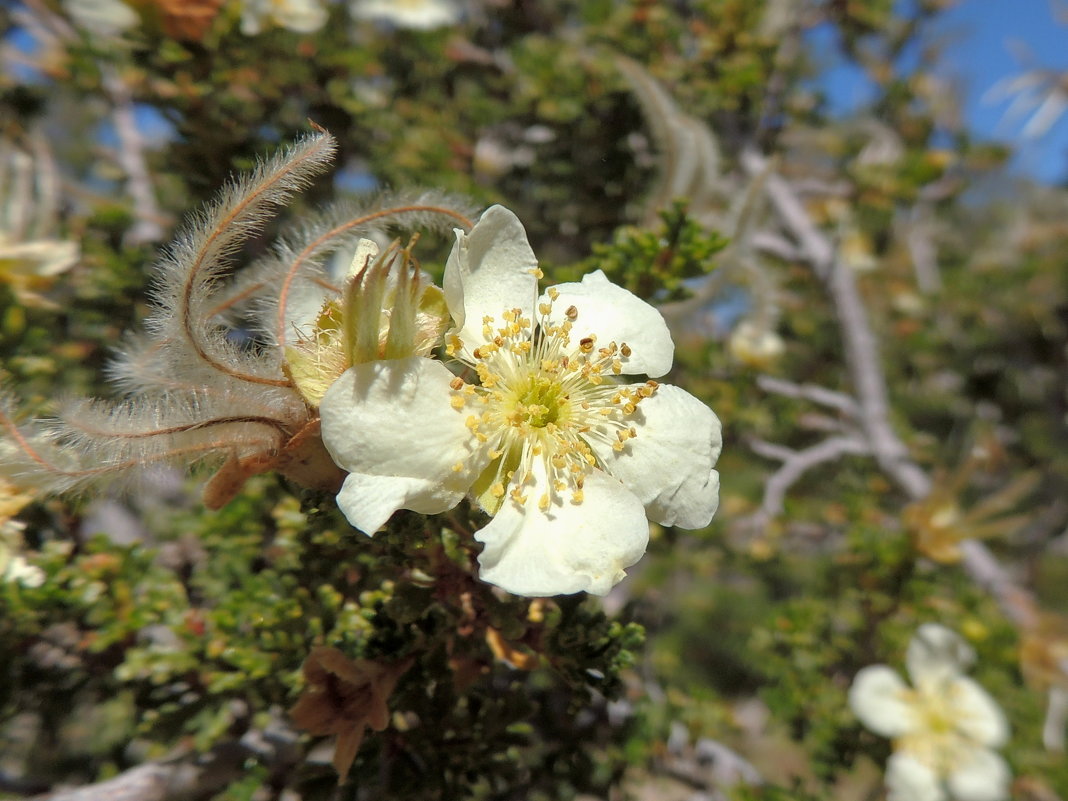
979	38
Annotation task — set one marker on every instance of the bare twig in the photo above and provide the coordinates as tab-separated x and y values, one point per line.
795	464
817	394
872	397
164	781
191	776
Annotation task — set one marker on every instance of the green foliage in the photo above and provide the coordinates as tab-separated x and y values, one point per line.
656	262
195	634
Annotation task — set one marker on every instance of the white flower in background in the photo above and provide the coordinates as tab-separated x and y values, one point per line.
32	255
944	728
299	16
755	345
103	18
422	15
568	460
13	565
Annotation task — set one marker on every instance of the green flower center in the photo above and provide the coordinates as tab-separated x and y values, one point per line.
541	403
540	399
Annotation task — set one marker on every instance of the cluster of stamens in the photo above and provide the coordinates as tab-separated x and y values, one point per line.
538	397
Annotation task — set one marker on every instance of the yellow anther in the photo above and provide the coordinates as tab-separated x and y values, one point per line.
497	490
586	344
571	313
457	401
577	496
617	366
458	467
537	273
628	408
543	503
625	350
457	383
553	293
545	308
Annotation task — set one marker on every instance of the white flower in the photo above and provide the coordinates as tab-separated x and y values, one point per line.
569	461
423	15
755	345
104	18
944	727
300	16
13	565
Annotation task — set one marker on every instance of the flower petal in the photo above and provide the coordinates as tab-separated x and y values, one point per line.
978	715
669	465
984	776
389	423
878	699
369	501
936	653
490	270
615	315
568	548
908	779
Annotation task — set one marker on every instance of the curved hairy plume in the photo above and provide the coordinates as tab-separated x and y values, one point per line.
188	275
690	164
206	382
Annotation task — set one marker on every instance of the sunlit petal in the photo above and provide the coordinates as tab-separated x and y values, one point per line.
669	464
979	716
878	698
909	779
613	314
490	270
984	776
570	547
391	421
936	654
369	501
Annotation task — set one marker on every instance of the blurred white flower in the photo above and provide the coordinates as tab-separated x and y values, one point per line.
13	565
300	16
104	18
31	255
944	728
423	15
754	345
570	462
